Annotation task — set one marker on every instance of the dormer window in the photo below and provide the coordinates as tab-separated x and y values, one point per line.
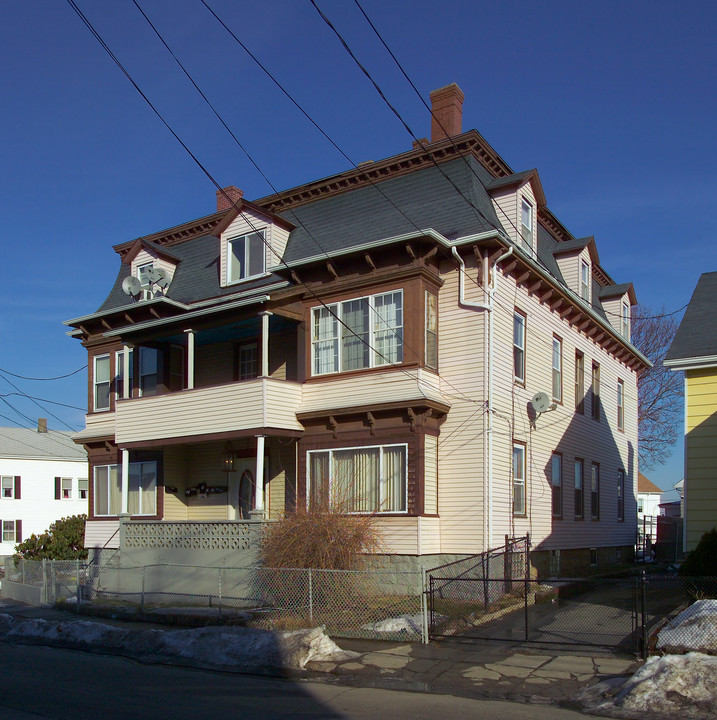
585	280
625	318
245	257
526	224
146	284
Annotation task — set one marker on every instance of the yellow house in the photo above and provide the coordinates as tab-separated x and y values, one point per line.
694	351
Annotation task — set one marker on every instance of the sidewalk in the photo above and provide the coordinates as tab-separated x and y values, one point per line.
477	669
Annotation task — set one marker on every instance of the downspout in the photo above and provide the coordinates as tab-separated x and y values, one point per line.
488	437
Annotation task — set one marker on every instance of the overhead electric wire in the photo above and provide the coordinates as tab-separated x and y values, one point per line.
58	377
52	402
95	33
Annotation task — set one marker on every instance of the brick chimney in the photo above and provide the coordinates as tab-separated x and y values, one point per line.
234	194
42	425
447	110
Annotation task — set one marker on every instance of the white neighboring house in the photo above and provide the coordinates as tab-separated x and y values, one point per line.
43	477
648	497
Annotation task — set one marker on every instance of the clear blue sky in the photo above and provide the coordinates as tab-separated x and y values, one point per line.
613	102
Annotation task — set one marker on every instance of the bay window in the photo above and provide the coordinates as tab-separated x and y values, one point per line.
359	480
359	333
142	489
107	490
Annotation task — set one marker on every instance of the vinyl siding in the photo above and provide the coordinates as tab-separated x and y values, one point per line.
700	441
431	475
251	404
247	222
400	534
102	534
429	535
175	475
460	444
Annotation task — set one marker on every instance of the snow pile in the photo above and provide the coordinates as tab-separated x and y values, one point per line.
238	648
409	624
693	629
683	686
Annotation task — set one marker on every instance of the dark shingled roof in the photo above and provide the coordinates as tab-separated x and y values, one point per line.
508	180
420	200
196	276
697	334
614	290
572	245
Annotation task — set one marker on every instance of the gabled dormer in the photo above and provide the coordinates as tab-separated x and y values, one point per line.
516	201
152	266
576	260
617	302
252	242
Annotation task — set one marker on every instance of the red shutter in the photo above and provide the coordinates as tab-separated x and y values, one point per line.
17	487
58	492
18	531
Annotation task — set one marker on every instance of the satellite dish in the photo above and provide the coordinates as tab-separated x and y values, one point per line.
131	286
160	277
152	274
541	402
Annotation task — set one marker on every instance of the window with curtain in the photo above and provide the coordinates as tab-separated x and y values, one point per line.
431	330
359	480
107	490
359	333
143	488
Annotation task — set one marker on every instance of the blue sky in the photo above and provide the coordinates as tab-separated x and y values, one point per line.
613	102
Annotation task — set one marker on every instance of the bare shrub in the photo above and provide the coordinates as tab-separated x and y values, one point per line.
323	537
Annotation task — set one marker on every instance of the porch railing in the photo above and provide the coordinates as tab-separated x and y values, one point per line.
229	535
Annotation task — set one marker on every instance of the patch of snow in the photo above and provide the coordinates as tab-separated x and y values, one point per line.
402	624
695	628
671	686
226	647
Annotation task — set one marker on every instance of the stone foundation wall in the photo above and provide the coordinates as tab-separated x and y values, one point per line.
577	562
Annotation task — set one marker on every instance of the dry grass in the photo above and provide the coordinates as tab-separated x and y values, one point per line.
321	538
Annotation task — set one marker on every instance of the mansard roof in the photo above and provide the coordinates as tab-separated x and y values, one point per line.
696	337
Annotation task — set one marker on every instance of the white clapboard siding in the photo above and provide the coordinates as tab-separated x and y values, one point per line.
97	425
431	475
429	537
247	222
399	534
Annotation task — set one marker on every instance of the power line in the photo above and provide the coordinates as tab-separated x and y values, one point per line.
52	402
58	377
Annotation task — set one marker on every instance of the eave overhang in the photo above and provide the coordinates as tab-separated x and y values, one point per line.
692	363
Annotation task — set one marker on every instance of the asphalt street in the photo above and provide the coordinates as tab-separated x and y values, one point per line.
42	683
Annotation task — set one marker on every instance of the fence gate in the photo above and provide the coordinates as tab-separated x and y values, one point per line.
492	597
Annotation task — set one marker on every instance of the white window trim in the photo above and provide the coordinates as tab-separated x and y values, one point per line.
95	408
119	370
518	314
335	309
62	489
519	481
331	451
142	512
86	488
14	531
228	255
146	292
557	368
529	240
625	320
584	280
621	405
94	489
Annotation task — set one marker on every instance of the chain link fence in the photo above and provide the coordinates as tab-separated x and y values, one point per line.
374	604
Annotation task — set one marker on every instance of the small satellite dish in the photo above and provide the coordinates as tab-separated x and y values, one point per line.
162	277
152	274
541	402
131	286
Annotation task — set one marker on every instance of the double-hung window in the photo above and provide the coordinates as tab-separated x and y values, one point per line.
557	369
595	492
556	479
579	382
8	531
579	496
359	480
596	392
247	361
519	321
148	370
82	486
119	374
66	488
526	224
620	495
360	333
246	257
8	486
620	405
625	321
518	479
431	330
101	380
584	280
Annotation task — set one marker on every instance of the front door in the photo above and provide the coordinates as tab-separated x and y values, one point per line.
241	489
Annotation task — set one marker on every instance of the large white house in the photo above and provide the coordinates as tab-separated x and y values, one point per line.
43	477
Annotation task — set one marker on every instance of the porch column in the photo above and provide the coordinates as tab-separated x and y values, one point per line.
265	315
126	385
125	482
190	358
259	485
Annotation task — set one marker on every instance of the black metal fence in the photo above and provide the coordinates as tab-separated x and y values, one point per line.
635	614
